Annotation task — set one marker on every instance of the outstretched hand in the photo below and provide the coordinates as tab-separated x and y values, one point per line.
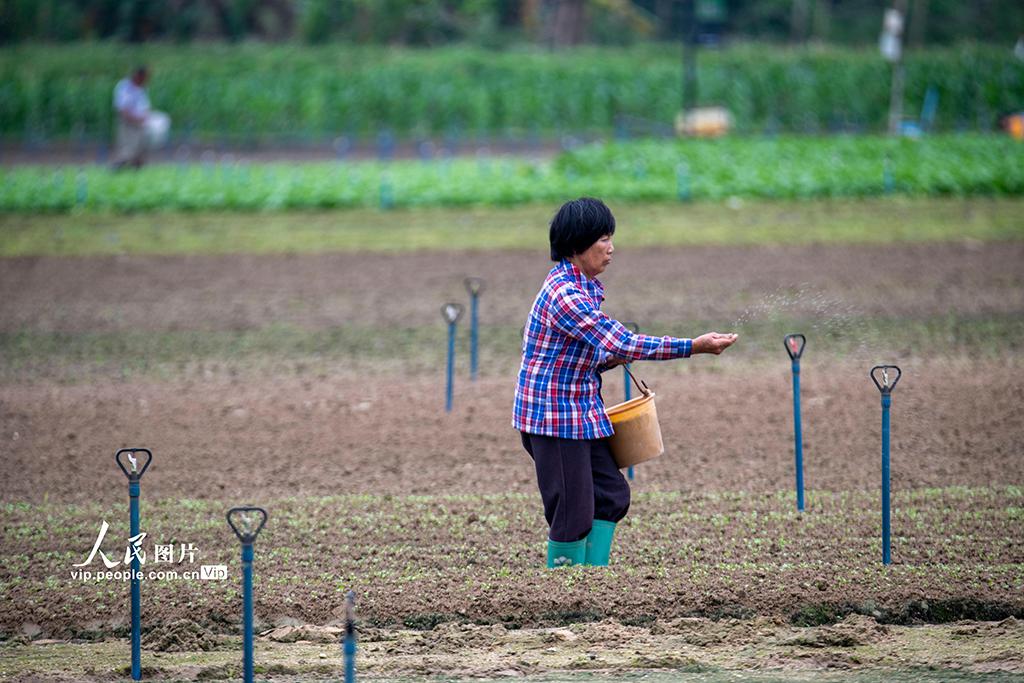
713	342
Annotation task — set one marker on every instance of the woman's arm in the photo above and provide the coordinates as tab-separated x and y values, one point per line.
573	314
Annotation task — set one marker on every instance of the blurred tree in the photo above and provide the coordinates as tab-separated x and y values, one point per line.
496	22
822	20
665	10
320	20
187	15
919	22
565	22
798	21
268	19
571	22
510	13
622	22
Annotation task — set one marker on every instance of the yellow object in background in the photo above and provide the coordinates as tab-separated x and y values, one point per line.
704	122
1015	126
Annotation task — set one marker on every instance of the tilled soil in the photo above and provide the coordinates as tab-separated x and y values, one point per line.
693	546
726	285
418	561
954	422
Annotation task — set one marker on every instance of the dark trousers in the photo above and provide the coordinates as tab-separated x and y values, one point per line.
579	482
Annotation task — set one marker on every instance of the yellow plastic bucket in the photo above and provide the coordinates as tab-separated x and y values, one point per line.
637	436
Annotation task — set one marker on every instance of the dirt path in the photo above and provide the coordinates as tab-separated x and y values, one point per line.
694	649
90	152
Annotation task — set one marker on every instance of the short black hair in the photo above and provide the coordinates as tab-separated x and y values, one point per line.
577	225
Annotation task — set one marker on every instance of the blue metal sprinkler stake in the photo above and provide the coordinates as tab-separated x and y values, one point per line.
475	287
387	193
81	189
134	475
350	637
794	344
635	329
247	530
885	387
451	312
683	182
888	181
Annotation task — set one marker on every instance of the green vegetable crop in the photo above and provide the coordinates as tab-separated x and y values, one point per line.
783	167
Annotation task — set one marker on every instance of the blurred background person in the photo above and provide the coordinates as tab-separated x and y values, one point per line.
131	102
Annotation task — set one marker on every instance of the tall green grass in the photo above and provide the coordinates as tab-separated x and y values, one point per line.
253	91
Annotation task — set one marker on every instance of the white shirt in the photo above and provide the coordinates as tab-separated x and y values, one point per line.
130	98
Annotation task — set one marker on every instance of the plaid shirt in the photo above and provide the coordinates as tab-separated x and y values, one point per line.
566	345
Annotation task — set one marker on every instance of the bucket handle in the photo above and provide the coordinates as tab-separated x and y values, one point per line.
640	384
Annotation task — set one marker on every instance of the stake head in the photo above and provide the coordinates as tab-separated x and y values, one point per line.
132	470
474	285
794	344
350	613
247	521
883	373
451	312
350	606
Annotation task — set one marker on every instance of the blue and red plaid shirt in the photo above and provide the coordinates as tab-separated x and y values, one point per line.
566	345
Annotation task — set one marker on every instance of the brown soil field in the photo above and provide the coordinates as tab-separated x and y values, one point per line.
954	423
434	518
420	561
468	569
722	284
727	421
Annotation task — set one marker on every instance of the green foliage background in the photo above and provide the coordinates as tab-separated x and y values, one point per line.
493	22
257	93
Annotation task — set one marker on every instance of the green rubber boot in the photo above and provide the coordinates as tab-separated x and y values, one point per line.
566	554
599	543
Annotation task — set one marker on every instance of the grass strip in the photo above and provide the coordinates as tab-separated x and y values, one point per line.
738	222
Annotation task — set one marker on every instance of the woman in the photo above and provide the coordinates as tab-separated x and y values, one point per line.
558	409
